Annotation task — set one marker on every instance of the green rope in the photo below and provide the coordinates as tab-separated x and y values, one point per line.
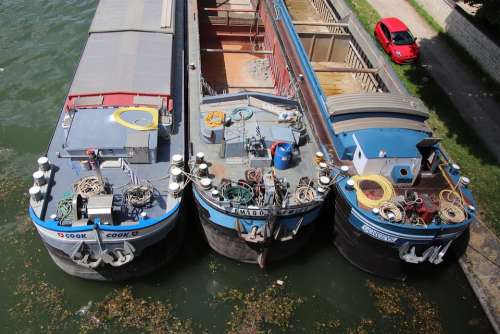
238	194
64	208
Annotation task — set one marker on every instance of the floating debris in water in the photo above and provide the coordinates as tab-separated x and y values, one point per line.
365	326
84	309
39	300
255	311
328	326
406	308
121	310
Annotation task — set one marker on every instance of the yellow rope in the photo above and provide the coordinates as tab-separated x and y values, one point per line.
214	119
117	116
383	182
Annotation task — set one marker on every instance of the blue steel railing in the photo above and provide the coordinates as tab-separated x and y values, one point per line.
282	14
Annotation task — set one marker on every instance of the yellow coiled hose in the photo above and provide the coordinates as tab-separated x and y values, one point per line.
384	184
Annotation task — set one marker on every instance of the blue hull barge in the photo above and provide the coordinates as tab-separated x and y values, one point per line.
260	176
399	202
107	197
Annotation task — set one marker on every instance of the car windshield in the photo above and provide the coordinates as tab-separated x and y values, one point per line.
402	38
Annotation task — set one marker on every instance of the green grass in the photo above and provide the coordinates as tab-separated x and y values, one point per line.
459	140
459	50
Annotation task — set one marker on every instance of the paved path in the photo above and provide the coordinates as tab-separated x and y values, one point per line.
481	265
474	102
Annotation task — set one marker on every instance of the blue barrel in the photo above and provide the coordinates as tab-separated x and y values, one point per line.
283	156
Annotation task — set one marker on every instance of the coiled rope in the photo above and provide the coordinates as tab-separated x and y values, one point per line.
89	186
304	194
254	175
242	113
391	208
138	195
451	207
382	182
64	208
238	194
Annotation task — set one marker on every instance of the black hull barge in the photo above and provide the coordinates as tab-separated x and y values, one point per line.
399	202
107	197
260	175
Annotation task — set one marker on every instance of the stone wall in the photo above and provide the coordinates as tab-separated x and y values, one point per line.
478	45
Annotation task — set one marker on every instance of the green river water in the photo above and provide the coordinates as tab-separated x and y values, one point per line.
40	42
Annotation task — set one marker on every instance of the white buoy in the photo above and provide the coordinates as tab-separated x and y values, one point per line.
39	178
323	165
143	215
176	174
206	183
350	184
344	169
200	158
455	168
43	164
472	208
376	211
35	193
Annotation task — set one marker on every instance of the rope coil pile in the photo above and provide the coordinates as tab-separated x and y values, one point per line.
382	182
138	195
304	194
89	186
239	194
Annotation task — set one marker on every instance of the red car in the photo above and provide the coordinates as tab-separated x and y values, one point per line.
397	40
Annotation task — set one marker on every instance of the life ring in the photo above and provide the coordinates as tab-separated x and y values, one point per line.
117	117
214	119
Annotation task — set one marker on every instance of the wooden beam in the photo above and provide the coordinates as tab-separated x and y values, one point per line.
345	69
258	52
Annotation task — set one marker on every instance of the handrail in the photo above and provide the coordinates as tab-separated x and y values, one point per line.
229	10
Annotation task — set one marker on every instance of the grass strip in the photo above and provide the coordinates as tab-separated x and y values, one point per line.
459	140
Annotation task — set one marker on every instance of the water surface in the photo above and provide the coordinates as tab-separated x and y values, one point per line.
40	45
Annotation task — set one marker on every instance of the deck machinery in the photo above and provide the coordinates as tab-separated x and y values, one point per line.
107	197
399	200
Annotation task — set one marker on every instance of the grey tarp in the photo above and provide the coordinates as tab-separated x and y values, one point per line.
137	15
130	61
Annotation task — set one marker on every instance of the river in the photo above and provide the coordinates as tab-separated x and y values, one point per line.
315	292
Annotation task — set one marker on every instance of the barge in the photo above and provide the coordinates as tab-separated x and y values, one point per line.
400	202
107	196
259	173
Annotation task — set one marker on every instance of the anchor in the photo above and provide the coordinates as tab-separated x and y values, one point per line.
83	255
